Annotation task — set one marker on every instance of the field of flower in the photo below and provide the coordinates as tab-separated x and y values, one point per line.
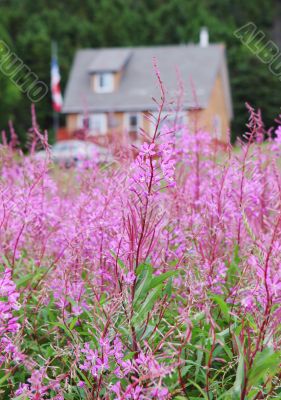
157	277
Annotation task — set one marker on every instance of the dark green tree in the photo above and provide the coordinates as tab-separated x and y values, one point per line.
29	26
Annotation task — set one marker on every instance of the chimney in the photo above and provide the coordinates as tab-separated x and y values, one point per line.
204	37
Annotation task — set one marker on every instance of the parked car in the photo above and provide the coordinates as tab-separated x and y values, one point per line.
69	152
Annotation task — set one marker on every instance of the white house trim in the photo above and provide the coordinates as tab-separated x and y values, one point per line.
139	124
104	82
97	123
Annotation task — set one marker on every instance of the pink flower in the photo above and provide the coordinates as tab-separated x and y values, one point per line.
147	149
160	394
129	278
116	388
248	302
278	135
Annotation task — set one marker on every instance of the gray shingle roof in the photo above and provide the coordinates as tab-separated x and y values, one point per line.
139	83
109	60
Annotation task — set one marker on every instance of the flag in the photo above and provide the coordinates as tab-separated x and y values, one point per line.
55	84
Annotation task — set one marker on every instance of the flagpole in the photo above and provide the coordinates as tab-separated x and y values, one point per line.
56	117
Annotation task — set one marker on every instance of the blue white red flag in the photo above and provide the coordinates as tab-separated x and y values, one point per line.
55	85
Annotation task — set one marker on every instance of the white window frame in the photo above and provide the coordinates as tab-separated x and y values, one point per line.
172	115
139	121
109	80
217	126
92	120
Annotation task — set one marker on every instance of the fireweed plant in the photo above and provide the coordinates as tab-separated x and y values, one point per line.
157	277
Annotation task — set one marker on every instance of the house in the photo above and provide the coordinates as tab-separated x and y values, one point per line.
111	89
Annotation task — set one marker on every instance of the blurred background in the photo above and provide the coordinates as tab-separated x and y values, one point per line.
29	27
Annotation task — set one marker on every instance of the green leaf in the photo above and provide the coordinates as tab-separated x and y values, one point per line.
148	304
236	390
198	362
199	388
73	323
64	328
6	261
147	332
4	378
143	282
103	299
226	348
266	362
22	281
168	288
222	305
157	280
142	267
119	262
233	271
129	356
198	316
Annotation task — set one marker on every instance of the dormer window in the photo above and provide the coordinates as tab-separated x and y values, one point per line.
104	82
106	69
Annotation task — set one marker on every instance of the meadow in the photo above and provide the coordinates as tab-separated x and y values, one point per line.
156	277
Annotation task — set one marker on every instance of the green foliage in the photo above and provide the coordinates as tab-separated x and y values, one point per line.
47	337
265	365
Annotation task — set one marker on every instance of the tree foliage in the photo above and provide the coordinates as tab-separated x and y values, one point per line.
29	26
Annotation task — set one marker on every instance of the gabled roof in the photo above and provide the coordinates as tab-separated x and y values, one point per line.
139	84
109	60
